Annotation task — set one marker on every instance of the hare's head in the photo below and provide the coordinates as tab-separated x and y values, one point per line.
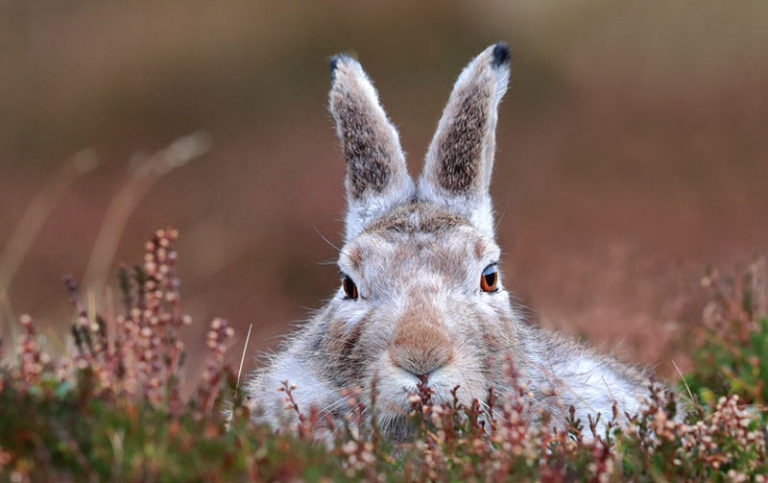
421	297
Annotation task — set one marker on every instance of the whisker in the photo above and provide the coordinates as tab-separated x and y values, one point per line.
325	239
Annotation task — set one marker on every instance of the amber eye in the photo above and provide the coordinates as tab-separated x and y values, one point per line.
489	278
349	287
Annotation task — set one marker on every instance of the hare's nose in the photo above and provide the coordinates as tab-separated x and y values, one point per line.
420	349
420	365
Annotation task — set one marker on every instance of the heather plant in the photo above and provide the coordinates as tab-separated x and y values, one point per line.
732	356
112	409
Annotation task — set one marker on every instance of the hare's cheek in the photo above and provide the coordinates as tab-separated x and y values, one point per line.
350	314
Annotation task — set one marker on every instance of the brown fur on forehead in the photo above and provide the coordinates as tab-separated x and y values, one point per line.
407	234
417	217
461	148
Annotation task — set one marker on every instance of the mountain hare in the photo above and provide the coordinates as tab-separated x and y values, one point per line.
421	298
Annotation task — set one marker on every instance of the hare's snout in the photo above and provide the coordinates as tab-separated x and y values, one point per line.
423	350
420	347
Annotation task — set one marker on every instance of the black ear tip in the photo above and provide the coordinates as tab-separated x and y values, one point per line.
335	61
333	64
500	54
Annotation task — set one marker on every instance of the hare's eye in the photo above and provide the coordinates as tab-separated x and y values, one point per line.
349	287
489	279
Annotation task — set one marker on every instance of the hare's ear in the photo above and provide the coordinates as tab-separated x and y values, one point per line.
457	171
377	177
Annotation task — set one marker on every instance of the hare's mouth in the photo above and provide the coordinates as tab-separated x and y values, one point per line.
400	390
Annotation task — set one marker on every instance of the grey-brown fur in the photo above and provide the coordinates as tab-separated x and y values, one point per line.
459	149
416	256
368	150
416	216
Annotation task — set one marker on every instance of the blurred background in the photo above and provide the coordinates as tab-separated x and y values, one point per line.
633	150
